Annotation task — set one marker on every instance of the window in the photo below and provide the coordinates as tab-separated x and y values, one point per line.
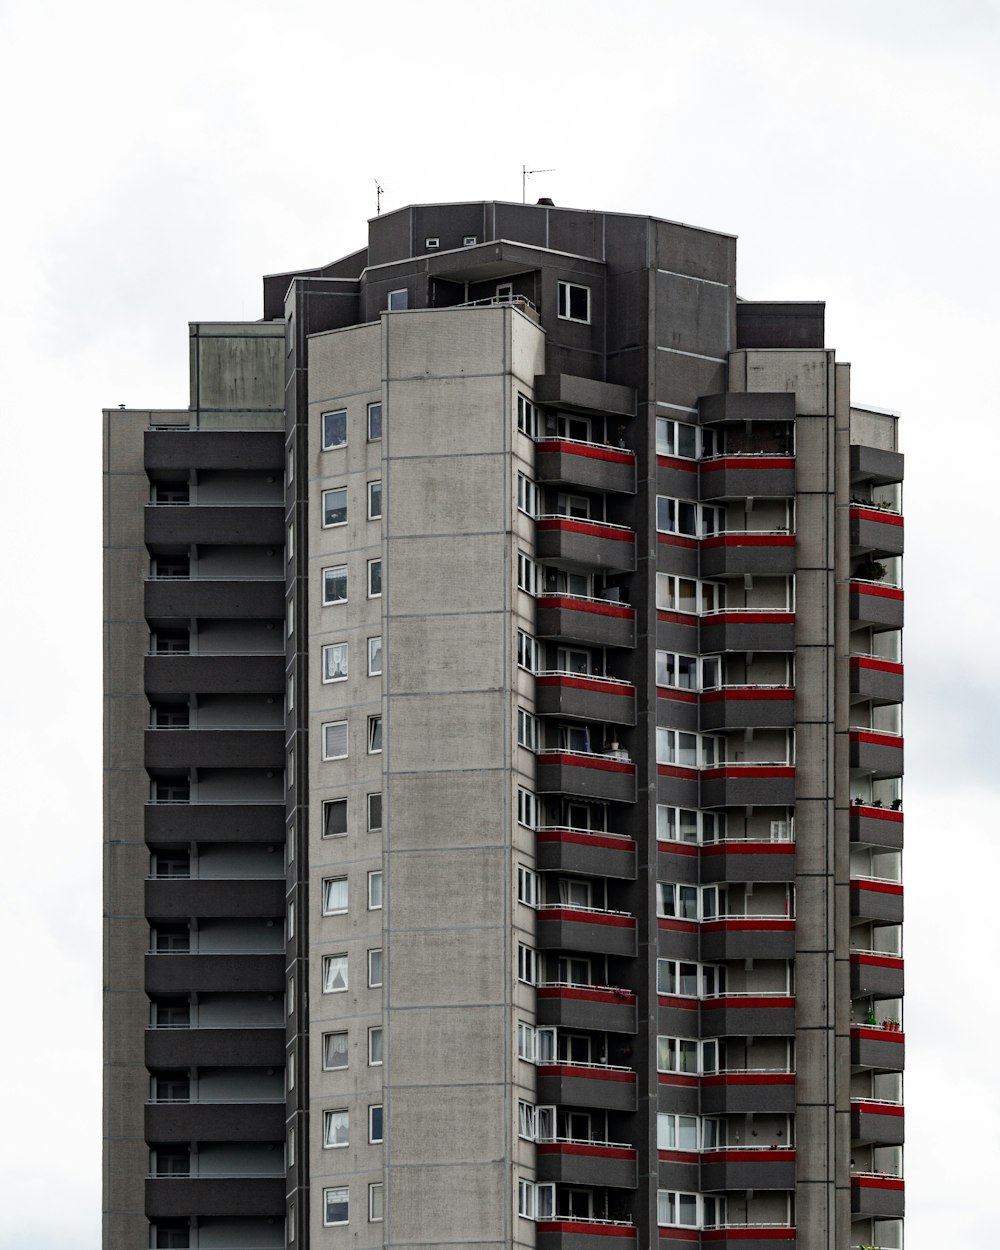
374	500
334	818
526	1041
172	566
527	886
374	735
676	516
334	1051
577	506
690	902
291	1148
335	662
536	1201
527	495
375	1124
683	824
528	577
289	770
374	890
527	414
525	1120
334	896
689	980
374	578
527	730
527	964
680	1210
289	464
290	996
334	429
335	973
290	1068
374	422
469	240
686	594
335	507
676	1132
374	1047
689	750
290	693
399	300
290	1222
374	969
374	657
574	302
527	809
376	1202
336	1206
432	242
527	652
678	671
335	740
374	813
290	922
289	542
290	617
675	438
335	585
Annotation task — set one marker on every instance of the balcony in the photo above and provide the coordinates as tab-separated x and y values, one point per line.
595	466
584	1234
234	598
239	972
748	785
571	1162
600	1008
747	707
239	1047
876	530
172	525
262	1120
759	1167
878	1121
590	854
214	449
876	604
762	1015
876	679
564	927
214	748
591	622
169	823
880	754
584	696
877	826
751	1092
875	899
178	898
574	543
874	464
588	775
738	476
877	1195
876	973
749	1236
873	1046
748	937
586	1085
182	1196
763	553
214	674
740	860
747	629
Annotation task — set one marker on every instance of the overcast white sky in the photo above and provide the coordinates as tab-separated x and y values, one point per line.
159	158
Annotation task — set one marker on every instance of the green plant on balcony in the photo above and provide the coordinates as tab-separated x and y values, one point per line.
870	570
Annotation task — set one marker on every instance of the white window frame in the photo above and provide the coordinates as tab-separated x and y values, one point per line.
703	1204
527	652
527	413
289	617
375	488
527	964
325	442
336	1067
375	735
394	303
528	886
325	735
369	827
675	899
334	490
339	960
289	542
327	804
375	404
677	661
329	1123
375	656
527	730
327	574
669	1125
527	496
525	1119
290	1149
333	889
432	241
527	808
372	565
709	749
375	889
528	574
536	1200
671	432
328	1199
376	1208
709	979
375	968
526	1041
376	1042
372	1139
564	301
708	826
708	596
325	654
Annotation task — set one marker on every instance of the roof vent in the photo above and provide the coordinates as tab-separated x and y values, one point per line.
546	201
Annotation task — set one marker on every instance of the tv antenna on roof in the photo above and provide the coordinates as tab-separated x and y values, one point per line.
526	174
379	189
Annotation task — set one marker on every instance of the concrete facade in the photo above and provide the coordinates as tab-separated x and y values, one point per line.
503	687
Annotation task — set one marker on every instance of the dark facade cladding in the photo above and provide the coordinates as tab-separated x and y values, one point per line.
503	806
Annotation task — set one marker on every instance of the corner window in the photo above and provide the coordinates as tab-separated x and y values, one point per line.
374	422
335	662
675	438
374	735
335	507
334	429
335	1206
374	500
374	657
374	969
574	302
335	1129
374	813
375	1047
335	740
399	300
334	896
334	1051
374	578
335	585
335	973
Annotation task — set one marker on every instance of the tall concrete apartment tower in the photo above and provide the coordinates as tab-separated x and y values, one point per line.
504	812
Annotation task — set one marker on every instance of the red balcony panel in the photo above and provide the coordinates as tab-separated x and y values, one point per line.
590	854
580	543
581	697
742	707
583	1234
766	554
590	776
587	1163
876	826
881	975
875	1047
876	530
601	1008
877	900
593	622
751	937
583	929
872	603
878	753
748	1237
747	861
877	679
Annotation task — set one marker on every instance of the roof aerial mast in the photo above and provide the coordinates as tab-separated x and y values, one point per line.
526	174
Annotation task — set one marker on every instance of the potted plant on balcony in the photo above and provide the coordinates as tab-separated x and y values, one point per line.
870	570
